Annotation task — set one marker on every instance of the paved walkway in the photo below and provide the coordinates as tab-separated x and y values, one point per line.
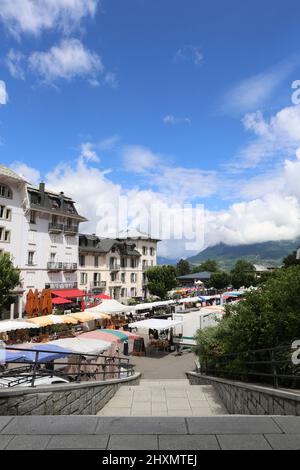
175	397
164	366
92	432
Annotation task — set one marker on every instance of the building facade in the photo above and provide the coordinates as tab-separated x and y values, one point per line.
116	267
40	230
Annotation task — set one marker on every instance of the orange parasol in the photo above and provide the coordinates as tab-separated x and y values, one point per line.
44	302
29	303
49	301
36	303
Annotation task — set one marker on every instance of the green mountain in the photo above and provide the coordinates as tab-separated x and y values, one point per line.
257	253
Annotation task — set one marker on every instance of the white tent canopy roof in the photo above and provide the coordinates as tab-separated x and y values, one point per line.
155	324
110	307
188	300
82	346
149	305
11	325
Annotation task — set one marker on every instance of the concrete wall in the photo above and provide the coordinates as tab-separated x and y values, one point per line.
86	398
243	398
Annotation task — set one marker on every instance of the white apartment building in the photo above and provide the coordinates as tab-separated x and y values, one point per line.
39	228
116	267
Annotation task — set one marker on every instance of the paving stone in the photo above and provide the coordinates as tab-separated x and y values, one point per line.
185	442
232	425
4	440
151	425
115	412
141	412
133	442
289	424
38	425
78	442
178	403
4	420
119	403
179	412
202	411
284	441
28	443
159	406
243	442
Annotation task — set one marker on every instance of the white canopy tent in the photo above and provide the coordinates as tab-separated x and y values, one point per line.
11	325
150	305
188	300
83	346
155	324
110	307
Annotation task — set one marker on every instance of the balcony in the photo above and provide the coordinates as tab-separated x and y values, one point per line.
116	283
69	266
115	267
61	285
97	284
71	229
52	266
55	228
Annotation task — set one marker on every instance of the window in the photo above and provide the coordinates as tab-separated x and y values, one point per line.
145	250
96	259
123	278
133	262
82	260
52	257
152	251
124	262
133	277
32	217
5	213
4	235
5	191
30	258
123	292
83	278
133	292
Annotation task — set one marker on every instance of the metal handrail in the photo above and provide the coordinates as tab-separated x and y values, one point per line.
215	364
33	370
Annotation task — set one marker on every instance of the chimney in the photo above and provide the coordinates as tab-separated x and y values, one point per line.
42	187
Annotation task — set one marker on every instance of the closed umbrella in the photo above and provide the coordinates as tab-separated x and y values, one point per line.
36	303
29	303
49	302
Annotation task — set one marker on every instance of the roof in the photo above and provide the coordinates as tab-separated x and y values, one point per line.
195	276
94	244
5	171
134	233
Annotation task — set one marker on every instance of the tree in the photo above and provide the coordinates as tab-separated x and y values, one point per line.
219	280
183	267
243	274
9	278
266	318
210	265
291	260
161	279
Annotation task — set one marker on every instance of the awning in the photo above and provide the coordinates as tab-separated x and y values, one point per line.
155	324
82	316
41	321
102	296
69	293
100	335
11	325
83	346
60	300
51	353
110	307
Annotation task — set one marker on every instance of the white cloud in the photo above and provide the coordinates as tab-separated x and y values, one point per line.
88	153
280	135
139	159
15	63
3	93
251	93
31	175
272	211
34	16
68	60
189	53
171	119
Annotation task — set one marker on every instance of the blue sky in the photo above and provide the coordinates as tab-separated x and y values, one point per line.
186	101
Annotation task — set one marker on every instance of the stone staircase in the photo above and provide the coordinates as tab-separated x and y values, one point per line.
174	397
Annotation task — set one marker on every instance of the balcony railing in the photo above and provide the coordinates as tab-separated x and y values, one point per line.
114	266
52	266
98	284
55	228
71	228
115	283
61	285
69	266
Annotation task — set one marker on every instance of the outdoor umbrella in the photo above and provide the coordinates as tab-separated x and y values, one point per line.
98	334
82	345
52	352
29	303
36	303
